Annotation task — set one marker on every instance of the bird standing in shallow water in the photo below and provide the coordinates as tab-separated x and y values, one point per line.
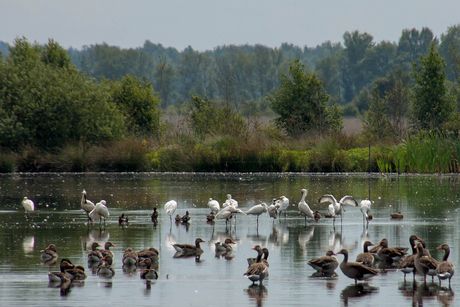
101	211
258	270
445	269
355	270
170	208
214	205
28	205
257	210
154	215
86	204
326	264
304	209
365	207
336	207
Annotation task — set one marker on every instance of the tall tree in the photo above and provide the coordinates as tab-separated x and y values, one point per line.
431	105
376	125
301	103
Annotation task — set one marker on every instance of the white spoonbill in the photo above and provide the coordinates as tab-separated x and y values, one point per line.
28	204
227	213
86	204
213	205
273	210
230	202
170	208
284	204
335	208
101	211
257	210
365	208
304	208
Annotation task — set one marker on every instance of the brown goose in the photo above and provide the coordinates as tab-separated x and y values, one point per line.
397	216
178	218
389	254
189	249
148	272
407	264
258	270
49	253
422	264
325	264
106	270
210	217
95	255
76	273
225	247
265	256
355	270
129	257
445	269
61	276
365	257
259	251
107	251
151	253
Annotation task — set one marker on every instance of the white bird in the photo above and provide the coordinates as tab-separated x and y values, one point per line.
273	210
213	205
170	208
284	204
304	208
335	208
230	202
257	210
28	204
101	211
365	208
227	213
86	204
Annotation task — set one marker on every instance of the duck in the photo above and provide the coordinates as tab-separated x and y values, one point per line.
355	270
151	253
189	249
95	255
107	251
86	204
210	217
424	265
49	253
365	257
387	254
257	210
154	216
61	276
28	204
122	220
213	205
170	208
185	218
397	216
317	216
129	257
100	211
178	218
336	207
106	270
304	209
258	270
325	264
147	272
445	269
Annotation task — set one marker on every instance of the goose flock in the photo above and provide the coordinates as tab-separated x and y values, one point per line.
370	263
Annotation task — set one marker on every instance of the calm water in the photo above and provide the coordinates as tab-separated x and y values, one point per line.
429	204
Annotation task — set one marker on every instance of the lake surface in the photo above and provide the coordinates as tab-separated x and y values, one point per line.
430	205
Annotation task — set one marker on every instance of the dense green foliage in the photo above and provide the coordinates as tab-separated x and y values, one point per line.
301	103
432	107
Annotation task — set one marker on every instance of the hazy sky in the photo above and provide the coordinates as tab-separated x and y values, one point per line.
205	24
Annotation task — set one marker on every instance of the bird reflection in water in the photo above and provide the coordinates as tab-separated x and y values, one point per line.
327	275
419	292
257	293
28	244
358	290
304	236
445	296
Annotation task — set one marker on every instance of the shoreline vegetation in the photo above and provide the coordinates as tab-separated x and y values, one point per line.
57	118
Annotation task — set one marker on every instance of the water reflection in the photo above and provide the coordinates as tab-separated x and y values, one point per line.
358	290
419	291
257	293
28	244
